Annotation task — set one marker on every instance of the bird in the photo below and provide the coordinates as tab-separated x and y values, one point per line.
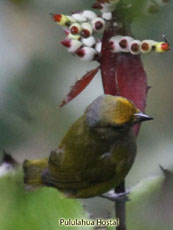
96	153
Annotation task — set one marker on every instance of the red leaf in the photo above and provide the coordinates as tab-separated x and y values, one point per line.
79	86
132	79
108	64
123	73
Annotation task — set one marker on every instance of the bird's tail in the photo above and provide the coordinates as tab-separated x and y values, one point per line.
33	171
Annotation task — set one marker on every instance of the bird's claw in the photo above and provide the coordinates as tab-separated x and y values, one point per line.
112	196
105	156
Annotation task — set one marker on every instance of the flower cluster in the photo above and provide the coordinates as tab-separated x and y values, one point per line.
128	44
81	29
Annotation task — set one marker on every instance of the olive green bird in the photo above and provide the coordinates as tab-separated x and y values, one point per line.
96	153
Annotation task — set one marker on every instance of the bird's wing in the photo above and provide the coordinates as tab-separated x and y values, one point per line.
81	159
72	178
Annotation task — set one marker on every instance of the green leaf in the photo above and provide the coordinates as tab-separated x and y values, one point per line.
139	9
151	204
146	187
37	210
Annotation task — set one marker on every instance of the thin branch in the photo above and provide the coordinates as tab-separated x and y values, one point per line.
120	208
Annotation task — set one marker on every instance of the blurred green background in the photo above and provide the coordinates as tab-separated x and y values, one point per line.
36	73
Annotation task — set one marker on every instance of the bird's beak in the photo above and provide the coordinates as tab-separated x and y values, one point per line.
140	117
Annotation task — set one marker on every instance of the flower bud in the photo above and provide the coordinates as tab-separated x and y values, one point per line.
124	43
72	45
114	44
73	36
161	47
61	19
75	28
88	41
98	24
79	17
86	53
90	15
87	30
135	47
71	19
147	46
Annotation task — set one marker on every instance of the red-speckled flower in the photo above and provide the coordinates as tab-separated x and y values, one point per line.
75	28
124	43
73	36
135	47
147	46
98	24
90	15
79	17
86	53
87	30
72	45
88	41
114	45
61	19
161	47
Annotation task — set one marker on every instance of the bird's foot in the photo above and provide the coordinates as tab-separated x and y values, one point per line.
112	196
106	155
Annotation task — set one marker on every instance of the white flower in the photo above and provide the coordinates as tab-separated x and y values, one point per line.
86	53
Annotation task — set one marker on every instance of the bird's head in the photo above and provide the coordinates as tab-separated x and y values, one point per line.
114	111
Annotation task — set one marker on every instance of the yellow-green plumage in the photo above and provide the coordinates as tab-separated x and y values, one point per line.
96	153
34	170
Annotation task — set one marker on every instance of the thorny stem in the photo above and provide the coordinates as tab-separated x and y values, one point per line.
122	74
120	207
108	58
110	86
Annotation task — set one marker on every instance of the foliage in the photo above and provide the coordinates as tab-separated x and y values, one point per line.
36	210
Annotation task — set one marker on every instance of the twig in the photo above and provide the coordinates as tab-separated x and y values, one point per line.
120	208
